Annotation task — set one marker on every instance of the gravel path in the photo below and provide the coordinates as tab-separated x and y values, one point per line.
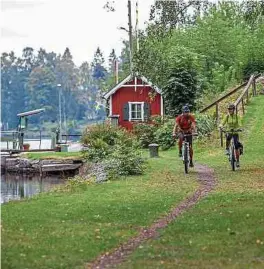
120	254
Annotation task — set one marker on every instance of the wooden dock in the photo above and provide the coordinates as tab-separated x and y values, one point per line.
16	164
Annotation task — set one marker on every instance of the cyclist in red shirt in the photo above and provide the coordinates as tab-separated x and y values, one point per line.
185	124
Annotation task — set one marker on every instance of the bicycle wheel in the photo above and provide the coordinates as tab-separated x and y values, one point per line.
186	159
233	158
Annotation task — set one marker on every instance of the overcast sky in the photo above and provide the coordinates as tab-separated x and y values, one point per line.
81	25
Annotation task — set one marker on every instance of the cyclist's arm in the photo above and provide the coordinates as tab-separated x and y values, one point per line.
193	126
174	129
239	122
223	123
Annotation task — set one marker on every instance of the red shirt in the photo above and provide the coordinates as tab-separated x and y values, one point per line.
185	122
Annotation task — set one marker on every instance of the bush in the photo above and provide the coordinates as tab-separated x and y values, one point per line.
98	149
105	132
145	133
205	124
163	135
124	161
113	152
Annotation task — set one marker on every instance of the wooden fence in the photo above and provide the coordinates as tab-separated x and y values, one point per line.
240	100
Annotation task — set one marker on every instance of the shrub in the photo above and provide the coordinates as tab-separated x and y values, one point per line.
163	135
145	133
103	131
98	149
205	124
124	161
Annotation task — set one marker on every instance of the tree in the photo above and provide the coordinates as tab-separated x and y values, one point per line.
67	75
43	92
181	88
99	71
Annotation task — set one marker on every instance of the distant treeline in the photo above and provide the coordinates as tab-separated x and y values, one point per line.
36	79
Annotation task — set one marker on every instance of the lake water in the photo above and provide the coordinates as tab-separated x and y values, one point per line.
35	144
46	144
15	187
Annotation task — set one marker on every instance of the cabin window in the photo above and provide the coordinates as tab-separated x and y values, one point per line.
136	111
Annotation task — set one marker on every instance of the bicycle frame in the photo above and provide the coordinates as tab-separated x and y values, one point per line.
186	152
232	150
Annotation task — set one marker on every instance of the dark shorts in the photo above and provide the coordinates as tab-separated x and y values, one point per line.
236	139
189	138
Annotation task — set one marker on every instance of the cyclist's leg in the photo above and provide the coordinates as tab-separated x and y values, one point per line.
190	140
180	141
228	140
236	142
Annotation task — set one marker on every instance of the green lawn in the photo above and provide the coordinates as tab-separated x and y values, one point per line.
226	229
66	230
53	155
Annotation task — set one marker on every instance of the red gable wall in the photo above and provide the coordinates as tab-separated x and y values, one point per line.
128	94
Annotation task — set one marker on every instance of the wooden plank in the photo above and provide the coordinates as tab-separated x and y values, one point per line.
227	95
223	97
217	113
245	91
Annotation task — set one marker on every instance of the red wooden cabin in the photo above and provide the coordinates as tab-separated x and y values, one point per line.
130	101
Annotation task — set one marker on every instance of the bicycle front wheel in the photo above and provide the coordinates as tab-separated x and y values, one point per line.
233	159
186	159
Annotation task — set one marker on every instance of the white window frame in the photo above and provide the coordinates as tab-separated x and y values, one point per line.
130	111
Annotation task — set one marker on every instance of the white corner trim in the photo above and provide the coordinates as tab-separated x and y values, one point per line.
108	94
110	106
161	105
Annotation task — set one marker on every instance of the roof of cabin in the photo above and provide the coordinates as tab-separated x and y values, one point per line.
127	79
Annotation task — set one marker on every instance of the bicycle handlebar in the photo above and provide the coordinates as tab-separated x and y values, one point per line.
194	134
232	130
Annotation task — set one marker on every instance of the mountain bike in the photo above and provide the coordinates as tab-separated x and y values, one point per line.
186	152
232	150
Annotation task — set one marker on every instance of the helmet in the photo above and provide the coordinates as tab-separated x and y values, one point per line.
185	109
231	107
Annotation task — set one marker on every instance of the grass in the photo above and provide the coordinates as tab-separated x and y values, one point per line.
225	230
66	230
52	155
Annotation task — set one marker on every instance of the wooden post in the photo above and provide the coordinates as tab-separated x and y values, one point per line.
243	109
247	95
221	138
254	91
217	113
130	36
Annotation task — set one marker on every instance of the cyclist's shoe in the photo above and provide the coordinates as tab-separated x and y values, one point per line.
237	164
227	152
191	164
180	154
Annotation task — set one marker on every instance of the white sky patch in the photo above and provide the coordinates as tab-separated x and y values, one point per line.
81	25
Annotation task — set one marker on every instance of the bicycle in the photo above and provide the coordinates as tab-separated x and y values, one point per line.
232	150
186	151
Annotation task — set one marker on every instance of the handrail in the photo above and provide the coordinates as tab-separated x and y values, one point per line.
223	97
245	91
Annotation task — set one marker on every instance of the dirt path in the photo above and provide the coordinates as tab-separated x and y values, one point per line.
120	254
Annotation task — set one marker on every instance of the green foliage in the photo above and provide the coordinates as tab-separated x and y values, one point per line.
205	124
145	133
181	88
124	161
163	135
115	148
106	132
255	66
